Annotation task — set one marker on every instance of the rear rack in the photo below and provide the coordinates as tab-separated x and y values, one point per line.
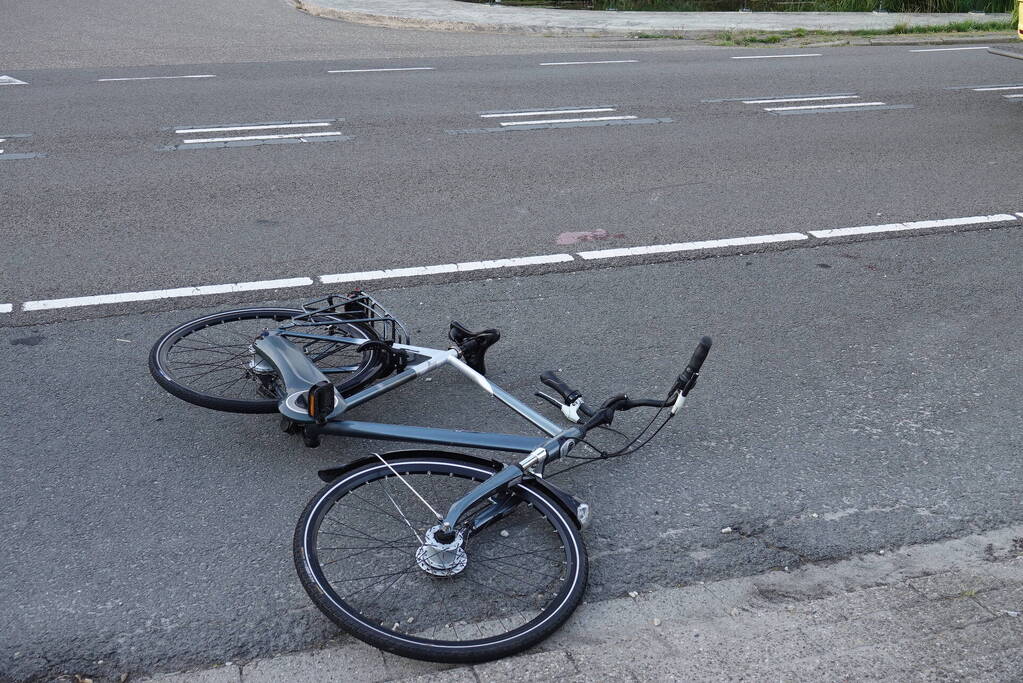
356	307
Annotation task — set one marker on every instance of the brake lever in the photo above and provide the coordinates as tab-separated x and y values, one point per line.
574	411
550	399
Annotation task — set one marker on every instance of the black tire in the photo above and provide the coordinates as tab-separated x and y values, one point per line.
421	613
241	390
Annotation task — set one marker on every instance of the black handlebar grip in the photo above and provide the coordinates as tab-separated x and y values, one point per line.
687	380
557	384
700	354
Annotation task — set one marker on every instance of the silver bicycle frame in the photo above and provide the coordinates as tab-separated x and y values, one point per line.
299	373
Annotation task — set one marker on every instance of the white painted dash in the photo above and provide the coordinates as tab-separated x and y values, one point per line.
540	121
363	71
693	246
154	78
6	308
151	295
11	80
1009	97
260	126
809	54
594	110
802	99
950	49
244	138
445	268
913	225
999	87
605	61
844	105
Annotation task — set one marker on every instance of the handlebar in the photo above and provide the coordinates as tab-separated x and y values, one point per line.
567	393
603	415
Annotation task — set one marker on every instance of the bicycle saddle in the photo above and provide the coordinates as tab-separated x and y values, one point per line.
473	345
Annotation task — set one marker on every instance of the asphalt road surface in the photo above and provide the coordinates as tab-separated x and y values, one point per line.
863	388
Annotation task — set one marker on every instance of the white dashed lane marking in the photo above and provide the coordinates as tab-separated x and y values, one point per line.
154	78
11	80
364	71
913	225
314	135
810	54
531	122
605	61
950	49
151	295
810	236
998	87
802	99
833	108
12	149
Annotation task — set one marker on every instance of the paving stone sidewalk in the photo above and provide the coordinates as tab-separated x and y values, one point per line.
454	15
950	611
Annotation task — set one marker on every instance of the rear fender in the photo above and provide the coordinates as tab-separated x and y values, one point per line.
565	500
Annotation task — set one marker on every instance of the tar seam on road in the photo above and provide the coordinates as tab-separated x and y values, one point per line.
542	259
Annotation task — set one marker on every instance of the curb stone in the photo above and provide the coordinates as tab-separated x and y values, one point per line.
452	15
936	612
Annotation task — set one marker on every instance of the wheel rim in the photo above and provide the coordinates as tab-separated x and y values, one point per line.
216	360
360	550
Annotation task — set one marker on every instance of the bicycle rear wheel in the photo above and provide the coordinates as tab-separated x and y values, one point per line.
210	361
359	551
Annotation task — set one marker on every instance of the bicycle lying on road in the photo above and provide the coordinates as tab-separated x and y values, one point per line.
428	554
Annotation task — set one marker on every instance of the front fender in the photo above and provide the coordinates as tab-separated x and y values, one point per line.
565	500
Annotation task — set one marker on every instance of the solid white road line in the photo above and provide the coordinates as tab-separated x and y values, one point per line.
49	304
803	99
693	246
549	111
267	126
363	71
913	225
810	54
446	268
154	78
999	87
539	121
242	138
606	61
6	308
826	106
950	49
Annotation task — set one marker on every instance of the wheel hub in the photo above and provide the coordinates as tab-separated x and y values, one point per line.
257	365
441	559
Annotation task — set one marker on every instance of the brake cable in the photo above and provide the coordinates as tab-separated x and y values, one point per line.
627	449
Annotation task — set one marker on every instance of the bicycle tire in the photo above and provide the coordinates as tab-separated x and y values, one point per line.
253	396
396	633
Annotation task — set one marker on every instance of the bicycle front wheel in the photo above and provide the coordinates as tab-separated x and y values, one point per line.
210	361
362	553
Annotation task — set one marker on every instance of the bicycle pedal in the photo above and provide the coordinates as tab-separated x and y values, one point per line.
320	401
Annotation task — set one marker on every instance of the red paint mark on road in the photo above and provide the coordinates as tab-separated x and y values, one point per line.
587	236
